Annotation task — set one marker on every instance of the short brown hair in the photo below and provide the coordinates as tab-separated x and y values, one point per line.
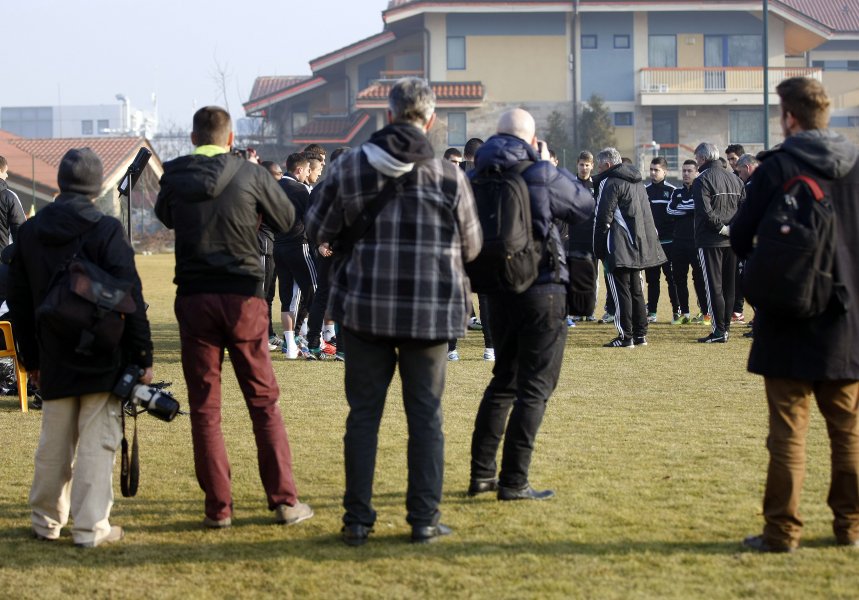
586	156
295	160
212	126
3	163
806	100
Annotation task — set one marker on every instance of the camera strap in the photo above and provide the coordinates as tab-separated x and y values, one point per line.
130	469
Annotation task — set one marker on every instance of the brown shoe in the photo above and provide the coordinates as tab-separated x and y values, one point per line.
760	544
290	515
116	533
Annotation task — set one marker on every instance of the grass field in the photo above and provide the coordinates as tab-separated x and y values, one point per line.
656	454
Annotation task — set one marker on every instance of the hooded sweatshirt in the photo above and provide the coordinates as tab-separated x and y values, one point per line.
825	347
215	204
73	223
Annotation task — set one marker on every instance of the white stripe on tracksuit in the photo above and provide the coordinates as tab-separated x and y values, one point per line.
612	286
296	289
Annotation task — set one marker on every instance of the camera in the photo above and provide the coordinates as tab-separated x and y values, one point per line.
151	398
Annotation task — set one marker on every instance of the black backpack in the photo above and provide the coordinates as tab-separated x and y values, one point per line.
510	255
84	311
791	271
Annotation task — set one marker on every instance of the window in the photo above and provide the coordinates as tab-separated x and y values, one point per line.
621	42
836	65
456	135
589	42
747	127
733	51
623	119
662	51
455	53
103	125
86	127
299	120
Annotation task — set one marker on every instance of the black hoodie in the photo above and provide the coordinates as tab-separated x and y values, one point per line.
826	347
44	243
214	204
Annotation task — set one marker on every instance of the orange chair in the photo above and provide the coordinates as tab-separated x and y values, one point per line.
20	371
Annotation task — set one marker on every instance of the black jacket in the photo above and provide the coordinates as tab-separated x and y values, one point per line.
581	236
214	204
825	347
681	207
555	196
659	194
717	193
44	243
11	215
624	233
299	195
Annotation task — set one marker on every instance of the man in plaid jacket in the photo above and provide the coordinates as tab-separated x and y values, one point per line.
399	293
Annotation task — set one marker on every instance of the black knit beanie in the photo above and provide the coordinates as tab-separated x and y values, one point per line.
81	172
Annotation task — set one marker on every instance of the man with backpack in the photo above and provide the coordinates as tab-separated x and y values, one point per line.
529	327
402	224
816	356
79	411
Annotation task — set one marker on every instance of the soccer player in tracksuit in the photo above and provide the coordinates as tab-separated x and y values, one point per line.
659	193
683	252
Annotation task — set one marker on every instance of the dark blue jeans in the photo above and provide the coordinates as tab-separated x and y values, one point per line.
529	331
369	370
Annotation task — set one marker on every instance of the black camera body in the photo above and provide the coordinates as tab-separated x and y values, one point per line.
154	400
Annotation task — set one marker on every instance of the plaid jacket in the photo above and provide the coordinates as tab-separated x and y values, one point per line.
405	277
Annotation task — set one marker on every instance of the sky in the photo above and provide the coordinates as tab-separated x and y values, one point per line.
81	52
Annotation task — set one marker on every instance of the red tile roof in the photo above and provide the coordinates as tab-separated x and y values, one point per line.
37	160
353	49
446	93
332	130
838	16
258	104
265	86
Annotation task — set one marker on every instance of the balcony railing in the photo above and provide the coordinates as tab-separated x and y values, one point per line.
391	75
705	80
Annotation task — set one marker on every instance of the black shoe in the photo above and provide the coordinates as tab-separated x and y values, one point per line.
356	534
429	533
639	340
36	402
749	334
619	342
525	493
759	544
481	486
714	338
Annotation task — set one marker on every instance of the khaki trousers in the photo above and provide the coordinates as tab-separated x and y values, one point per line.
82	484
789	403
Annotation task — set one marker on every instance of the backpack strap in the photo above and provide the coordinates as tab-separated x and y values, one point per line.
812	185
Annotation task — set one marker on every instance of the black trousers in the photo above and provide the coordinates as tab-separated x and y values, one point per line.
319	302
270	276
738	296
631	316
653	279
719	266
296	274
529	331
682	259
369	370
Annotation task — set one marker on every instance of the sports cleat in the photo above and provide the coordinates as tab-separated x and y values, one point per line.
571	322
620	342
738	318
681	319
589	319
328	348
340	356
274	343
474	324
489	354
713	338
606	318
639	340
453	355
651	317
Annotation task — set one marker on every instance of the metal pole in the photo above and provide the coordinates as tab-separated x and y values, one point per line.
766	77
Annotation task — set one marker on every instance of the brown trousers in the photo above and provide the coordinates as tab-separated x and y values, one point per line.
789	404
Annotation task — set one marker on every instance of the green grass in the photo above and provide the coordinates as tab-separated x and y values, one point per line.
657	456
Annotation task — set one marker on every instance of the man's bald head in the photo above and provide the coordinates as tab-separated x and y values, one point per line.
519	123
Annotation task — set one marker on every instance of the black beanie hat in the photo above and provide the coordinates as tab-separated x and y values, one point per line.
80	172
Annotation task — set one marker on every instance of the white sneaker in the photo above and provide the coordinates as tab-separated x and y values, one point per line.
453	355
489	354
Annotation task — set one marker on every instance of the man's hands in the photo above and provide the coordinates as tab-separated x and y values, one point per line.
146	378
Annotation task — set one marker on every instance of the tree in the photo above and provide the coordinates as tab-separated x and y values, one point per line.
558	139
595	129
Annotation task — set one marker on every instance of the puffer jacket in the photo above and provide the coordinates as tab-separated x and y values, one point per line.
624	233
555	197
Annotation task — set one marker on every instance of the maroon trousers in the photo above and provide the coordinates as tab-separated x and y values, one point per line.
209	323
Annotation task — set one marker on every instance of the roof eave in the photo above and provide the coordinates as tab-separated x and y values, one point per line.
352	50
255	106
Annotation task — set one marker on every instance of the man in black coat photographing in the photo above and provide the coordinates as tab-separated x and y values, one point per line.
811	357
